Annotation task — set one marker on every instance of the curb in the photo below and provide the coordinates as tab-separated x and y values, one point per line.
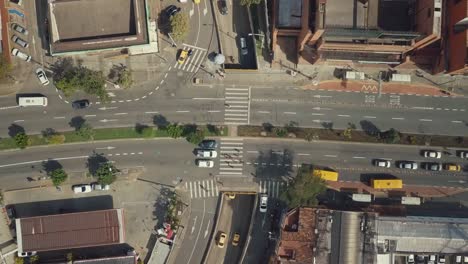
215	228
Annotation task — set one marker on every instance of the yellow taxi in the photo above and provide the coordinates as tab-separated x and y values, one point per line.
221	239
231	195
235	239
452	167
196	1
182	57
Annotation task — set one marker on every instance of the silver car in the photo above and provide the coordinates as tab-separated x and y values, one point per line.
20	41
382	163
410	165
263	203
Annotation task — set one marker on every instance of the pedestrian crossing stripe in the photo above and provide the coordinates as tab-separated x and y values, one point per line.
237	106
208	188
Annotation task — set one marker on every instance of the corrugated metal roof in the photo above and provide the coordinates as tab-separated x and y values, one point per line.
424	234
110	260
74	230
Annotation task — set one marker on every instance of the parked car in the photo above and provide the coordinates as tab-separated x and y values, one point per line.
172	10
21	55
82	188
41	75
243	46
235	239
382	163
441	259
432	259
204	163
432	154
231	195
80	104
223	8
452	167
205	153
11	212
263	203
20	41
410	259
432	166
208	144
26	254
100	187
463	154
221	239
19	29
410	165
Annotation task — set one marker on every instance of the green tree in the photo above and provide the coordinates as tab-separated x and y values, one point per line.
34	259
196	137
125	78
250	2
280	132
5	68
58	176
179	26
21	140
106	173
390	136
174	130
303	190
19	260
55	139
85	130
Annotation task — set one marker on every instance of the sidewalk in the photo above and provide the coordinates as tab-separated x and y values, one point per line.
410	190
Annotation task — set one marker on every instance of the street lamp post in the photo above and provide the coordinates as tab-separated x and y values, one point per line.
261	35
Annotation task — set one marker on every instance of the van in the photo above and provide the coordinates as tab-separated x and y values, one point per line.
21	55
32	101
243	46
19	41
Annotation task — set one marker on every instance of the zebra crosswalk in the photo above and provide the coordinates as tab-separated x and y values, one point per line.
208	188
231	156
192	63
237	106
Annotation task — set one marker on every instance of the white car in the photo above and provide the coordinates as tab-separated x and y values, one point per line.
82	188
202	153
263	203
432	154
204	163
41	75
463	154
19	29
21	55
100	187
382	163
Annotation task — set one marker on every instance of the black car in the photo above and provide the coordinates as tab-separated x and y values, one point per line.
172	10
208	144
223	8
80	104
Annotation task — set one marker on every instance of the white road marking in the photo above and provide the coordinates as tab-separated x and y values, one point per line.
213	111
182	111
303	154
289	113
398	118
424	108
230	172
152	112
39	161
121	114
425	120
344	115
358	157
263	112
18	121
370	117
457	121
59	117
90	115
252	151
331	156
317	114
205	98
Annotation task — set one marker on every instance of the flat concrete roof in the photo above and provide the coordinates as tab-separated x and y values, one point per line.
289	13
83	19
346	14
85	25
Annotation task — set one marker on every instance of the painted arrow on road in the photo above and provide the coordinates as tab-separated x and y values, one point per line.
207	227
108	148
108	120
194	222
107	108
321	108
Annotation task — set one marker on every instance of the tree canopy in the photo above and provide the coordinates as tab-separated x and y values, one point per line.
58	176
303	190
106	173
179	26
250	2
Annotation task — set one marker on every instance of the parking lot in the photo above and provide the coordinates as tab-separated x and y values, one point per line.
143	206
232	32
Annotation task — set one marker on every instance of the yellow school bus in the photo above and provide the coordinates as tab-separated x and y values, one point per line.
326	174
387	183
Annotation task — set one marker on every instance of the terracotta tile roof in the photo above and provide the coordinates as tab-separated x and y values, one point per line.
52	232
297	236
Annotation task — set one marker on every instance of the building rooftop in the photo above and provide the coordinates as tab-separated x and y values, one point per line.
64	231
82	25
434	234
297	236
291	13
109	260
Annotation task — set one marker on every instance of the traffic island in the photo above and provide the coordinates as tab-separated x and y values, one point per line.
370	135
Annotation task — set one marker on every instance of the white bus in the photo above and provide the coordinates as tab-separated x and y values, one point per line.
359	197
32	101
410	200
